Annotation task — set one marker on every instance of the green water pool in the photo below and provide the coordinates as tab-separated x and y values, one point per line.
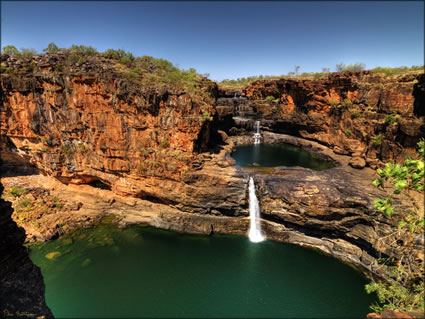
146	272
272	155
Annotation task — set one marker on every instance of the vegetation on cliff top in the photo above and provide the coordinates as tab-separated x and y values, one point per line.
340	67
144	70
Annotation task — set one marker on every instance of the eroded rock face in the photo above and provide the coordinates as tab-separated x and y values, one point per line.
145	147
81	129
364	115
21	283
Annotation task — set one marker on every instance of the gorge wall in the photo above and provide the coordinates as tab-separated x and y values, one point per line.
368	116
166	150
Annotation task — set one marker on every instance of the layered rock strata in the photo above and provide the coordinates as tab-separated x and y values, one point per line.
367	116
140	152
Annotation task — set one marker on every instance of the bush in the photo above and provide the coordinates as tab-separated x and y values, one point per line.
406	291
346	104
207	116
397	70
270	98
356	114
377	140
84	49
357	67
389	119
67	150
24	203
17	191
27	53
347	132
120	55
333	102
165	144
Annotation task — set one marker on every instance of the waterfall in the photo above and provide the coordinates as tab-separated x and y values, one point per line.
257	135
254	215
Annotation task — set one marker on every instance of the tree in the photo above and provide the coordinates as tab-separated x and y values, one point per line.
326	70
51	48
340	67
406	291
10	50
84	49
28	52
297	68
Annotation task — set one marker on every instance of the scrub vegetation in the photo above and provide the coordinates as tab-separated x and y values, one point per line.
145	70
406	291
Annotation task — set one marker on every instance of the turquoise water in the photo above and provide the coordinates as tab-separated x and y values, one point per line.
272	155
146	272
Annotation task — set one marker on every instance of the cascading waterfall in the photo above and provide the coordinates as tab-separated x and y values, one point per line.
257	135
254	234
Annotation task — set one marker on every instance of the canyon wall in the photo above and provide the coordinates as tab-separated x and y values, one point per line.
370	117
169	147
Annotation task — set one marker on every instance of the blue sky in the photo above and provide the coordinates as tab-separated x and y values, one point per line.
228	39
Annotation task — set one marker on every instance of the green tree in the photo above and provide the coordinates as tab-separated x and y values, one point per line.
406	290
28	52
84	49
10	50
51	48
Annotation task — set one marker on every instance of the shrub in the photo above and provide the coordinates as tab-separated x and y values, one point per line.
333	102
377	140
356	114
357	67
120	55
24	203
27	53
17	191
270	98
165	144
347	132
346	104
389	119
206	116
397	70
67	150
84	49
406	290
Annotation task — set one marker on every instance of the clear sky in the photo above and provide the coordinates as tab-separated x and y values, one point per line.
228	39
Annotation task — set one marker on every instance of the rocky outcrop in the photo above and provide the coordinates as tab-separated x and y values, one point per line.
368	116
390	314
21	283
82	128
139	152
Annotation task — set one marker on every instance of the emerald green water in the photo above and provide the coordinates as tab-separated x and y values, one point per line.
146	272
272	155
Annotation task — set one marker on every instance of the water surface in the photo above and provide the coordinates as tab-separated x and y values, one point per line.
272	155
146	272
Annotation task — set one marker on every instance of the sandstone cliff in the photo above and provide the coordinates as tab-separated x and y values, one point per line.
153	153
368	116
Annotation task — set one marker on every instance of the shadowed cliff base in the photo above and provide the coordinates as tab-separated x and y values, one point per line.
21	283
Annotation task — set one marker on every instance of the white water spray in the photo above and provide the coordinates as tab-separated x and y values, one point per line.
257	135
254	215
